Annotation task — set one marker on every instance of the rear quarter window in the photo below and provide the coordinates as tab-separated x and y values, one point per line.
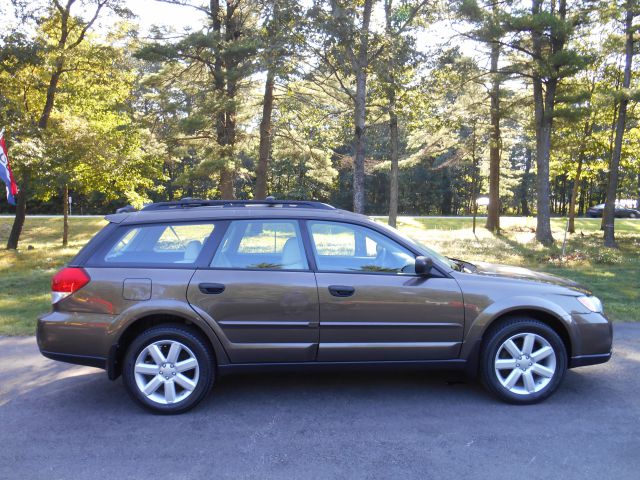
155	244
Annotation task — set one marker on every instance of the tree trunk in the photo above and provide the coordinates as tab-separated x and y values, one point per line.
608	215
52	89
493	212
612	138
21	206
543	150
393	138
21	213
524	187
265	136
638	200
225	117
359	145
226	184
582	197
577	181
543	140
474	179
574	195
360	64
65	215
447	192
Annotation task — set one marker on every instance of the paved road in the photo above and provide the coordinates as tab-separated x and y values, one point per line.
69	422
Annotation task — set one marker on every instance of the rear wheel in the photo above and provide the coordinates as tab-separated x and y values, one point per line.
523	361
169	369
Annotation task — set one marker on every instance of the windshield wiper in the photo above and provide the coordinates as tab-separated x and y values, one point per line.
462	265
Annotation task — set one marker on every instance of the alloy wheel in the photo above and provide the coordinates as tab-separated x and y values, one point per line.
166	372
525	363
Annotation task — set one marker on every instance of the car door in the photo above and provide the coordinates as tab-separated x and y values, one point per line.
261	293
372	305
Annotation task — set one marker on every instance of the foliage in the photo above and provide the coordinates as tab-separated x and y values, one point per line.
138	118
25	274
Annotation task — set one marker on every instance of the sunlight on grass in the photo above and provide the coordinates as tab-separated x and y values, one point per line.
25	274
614	275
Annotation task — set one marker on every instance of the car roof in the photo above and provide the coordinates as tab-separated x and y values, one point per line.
194	214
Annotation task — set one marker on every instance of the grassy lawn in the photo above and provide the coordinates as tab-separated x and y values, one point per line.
25	274
613	275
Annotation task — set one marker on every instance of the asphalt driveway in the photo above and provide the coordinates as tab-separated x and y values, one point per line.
69	422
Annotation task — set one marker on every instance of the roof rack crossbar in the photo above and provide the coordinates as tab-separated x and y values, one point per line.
193	202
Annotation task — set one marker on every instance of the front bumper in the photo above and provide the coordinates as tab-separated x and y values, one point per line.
592	339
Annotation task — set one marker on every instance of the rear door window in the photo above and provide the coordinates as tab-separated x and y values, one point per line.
158	244
261	245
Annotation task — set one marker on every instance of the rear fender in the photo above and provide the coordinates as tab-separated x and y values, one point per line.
171	308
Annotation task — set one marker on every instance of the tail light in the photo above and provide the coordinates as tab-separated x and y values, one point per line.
67	281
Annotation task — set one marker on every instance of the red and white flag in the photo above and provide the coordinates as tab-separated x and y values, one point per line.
5	172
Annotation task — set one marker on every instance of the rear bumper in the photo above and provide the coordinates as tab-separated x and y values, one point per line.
98	362
73	338
584	360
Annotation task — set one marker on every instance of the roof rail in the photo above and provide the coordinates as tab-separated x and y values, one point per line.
268	202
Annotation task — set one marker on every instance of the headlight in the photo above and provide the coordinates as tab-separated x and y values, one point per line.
592	303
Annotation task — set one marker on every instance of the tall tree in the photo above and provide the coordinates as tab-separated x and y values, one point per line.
493	213
223	53
608	215
281	42
395	68
489	30
346	51
541	39
68	32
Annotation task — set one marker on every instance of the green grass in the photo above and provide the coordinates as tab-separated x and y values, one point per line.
614	275
25	274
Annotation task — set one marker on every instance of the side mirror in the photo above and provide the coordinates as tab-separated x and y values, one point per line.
423	265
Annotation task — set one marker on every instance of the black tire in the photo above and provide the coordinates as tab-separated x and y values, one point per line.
190	338
500	334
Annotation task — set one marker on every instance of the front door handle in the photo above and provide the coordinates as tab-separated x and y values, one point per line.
211	288
341	290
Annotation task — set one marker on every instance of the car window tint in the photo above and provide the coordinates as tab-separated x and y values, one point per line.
261	244
177	237
159	244
340	247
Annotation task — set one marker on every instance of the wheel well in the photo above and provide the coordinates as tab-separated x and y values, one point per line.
551	320
136	328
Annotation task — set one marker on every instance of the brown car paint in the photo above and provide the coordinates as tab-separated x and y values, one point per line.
285	317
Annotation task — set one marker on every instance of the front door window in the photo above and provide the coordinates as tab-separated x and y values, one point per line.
342	247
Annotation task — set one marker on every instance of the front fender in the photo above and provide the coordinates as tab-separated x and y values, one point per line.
485	318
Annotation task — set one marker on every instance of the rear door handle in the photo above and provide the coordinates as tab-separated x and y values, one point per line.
211	288
341	290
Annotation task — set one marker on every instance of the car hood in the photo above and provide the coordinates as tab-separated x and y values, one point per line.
520	273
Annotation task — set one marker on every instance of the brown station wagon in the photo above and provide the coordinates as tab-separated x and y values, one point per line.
180	292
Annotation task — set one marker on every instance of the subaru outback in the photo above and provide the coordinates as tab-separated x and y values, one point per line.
178	293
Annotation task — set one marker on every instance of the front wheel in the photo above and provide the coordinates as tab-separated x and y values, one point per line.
168	369
523	361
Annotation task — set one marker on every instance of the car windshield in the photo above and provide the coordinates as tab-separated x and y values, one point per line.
422	247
